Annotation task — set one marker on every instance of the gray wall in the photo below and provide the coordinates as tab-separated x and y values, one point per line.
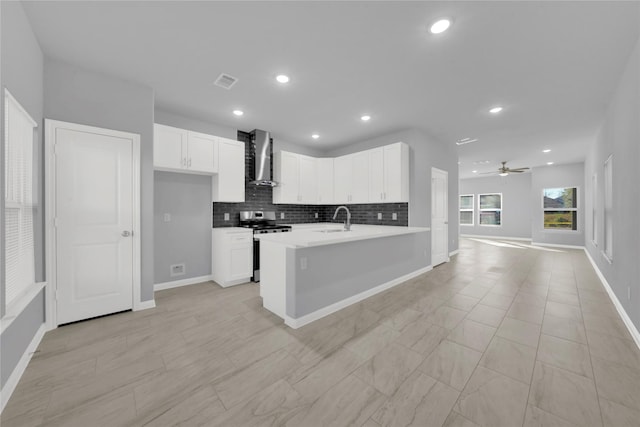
516	209
426	152
77	95
21	71
557	176
187	237
620	136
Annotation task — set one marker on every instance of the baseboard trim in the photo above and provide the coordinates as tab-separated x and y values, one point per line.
554	245
616	302
233	282
296	323
183	282
145	305
18	371
454	253
525	239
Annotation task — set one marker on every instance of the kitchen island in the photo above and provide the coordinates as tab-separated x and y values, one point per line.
318	269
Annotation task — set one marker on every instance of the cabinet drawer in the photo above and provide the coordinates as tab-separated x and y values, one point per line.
234	240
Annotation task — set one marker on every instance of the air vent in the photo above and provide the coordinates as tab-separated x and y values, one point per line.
466	141
482	162
225	81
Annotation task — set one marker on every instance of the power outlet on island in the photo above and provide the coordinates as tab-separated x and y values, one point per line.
394	216
303	263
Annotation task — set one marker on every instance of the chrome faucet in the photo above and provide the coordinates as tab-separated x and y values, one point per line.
347	223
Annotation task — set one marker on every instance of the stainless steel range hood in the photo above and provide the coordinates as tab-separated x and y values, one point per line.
262	161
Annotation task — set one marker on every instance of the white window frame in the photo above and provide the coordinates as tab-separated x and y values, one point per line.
480	210
594	209
607	251
576	210
472	210
23	199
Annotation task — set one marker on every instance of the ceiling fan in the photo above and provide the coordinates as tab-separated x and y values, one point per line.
504	170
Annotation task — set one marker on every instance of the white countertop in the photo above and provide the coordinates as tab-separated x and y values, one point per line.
306	235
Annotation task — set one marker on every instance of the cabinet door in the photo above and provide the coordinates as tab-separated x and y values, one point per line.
228	184
325	181
287	176
342	179
376	175
308	179
396	173
201	156
360	181
169	147
241	262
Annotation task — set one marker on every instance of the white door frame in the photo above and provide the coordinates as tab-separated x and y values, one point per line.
446	173
50	198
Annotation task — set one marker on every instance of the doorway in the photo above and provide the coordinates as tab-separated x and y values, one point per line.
439	216
92	221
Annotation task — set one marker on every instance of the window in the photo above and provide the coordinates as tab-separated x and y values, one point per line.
19	200
560	207
466	209
594	209
490	209
608	208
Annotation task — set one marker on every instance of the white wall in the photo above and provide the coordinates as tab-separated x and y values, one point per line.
516	209
619	136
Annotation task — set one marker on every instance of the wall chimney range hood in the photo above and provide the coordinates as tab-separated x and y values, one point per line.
261	141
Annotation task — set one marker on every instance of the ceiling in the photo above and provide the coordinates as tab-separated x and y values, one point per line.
553	66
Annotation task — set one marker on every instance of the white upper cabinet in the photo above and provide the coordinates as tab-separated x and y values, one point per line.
228	183
183	151
396	173
325	181
379	175
169	144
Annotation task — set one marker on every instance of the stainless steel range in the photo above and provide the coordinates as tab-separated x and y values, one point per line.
260	222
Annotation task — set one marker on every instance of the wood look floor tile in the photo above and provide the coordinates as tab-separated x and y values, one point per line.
565	354
568	329
462	302
522	332
617	383
431	339
510	358
457	420
372	341
616	415
447	317
492	399
451	363
488	315
420	401
614	349
349	403
606	325
536	417
389	368
526	313
497	300
472	334
565	394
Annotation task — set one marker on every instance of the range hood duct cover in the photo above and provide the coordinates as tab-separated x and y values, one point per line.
262	161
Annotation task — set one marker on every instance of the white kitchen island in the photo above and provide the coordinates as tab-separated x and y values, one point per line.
316	270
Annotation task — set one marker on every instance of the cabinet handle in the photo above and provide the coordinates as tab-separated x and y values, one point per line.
189	162
384	196
381	196
184	162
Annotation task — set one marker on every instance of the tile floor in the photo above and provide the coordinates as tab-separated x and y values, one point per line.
500	336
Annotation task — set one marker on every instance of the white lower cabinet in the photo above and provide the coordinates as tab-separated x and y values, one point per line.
231	256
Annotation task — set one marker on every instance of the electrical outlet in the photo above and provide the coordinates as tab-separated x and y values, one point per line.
177	270
167	217
316	215
226	216
281	215
303	263
394	216
379	215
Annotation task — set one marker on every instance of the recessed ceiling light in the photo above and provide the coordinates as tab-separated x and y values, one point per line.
495	110
365	118
282	78
474	171
549	163
238	112
440	26
546	150
315	136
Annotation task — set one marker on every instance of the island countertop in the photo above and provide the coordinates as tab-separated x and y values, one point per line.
320	234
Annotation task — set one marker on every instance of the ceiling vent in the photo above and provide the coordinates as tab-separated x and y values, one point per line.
225	81
482	162
464	141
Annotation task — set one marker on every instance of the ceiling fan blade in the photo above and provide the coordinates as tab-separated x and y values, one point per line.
515	171
518	169
488	173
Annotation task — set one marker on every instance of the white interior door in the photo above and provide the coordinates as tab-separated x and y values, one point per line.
94	222
439	216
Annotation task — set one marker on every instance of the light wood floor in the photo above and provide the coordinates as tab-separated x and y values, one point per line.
500	336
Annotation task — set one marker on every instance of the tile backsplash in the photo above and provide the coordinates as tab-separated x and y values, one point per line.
260	199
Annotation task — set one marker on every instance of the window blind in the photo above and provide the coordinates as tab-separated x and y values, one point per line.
20	203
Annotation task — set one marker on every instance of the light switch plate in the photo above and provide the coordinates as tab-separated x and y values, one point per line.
226	216
394	216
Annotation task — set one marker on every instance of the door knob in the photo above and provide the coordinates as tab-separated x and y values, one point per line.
126	233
